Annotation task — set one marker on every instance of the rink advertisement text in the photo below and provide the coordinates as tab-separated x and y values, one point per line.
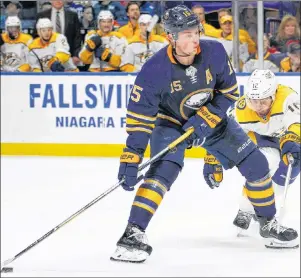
72	110
92	96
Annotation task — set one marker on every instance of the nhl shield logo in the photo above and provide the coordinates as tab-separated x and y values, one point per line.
191	73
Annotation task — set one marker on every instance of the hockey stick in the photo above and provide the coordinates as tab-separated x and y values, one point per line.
107	192
286	185
149	30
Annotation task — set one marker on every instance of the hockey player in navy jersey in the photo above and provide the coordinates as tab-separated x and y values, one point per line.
189	83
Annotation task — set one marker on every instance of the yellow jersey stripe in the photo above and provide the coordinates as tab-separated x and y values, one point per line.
135	122
138	129
140	116
260	194
150	195
224	91
144	206
162	116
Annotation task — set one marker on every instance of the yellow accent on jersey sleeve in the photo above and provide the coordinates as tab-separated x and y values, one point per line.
281	94
62	57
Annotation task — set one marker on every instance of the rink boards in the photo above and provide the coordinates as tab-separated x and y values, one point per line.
74	114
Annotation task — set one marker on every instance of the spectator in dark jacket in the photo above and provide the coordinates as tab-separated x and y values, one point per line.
288	32
65	22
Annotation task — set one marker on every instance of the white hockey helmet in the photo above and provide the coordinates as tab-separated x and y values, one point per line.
261	84
105	15
13	21
44	23
144	18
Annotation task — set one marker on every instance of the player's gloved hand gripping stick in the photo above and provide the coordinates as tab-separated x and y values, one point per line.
143	166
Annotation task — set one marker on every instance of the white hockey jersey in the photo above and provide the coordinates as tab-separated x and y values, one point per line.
116	43
284	113
14	53
139	52
41	55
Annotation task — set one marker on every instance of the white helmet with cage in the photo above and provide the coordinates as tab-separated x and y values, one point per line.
261	84
105	15
13	21
44	23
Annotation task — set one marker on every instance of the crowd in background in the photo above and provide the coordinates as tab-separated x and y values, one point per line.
102	36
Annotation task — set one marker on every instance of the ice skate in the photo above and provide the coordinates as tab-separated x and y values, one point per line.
286	238
132	247
243	220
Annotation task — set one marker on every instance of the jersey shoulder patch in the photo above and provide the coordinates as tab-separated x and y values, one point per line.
241	103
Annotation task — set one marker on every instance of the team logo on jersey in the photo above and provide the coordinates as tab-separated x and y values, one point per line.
194	101
44	60
191	73
241	104
143	57
11	59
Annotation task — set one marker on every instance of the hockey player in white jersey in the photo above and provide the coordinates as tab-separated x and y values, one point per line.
14	47
104	49
50	51
143	46
270	114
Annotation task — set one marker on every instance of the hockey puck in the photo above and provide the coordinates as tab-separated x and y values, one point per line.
7	269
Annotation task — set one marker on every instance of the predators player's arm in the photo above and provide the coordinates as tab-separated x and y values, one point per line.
87	52
142	109
26	40
248	119
33	58
62	54
123	58
290	140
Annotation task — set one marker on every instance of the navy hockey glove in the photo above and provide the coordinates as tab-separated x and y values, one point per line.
103	53
93	43
129	162
290	144
213	171
204	121
57	66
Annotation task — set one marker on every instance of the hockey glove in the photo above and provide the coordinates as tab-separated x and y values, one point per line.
103	53
213	171
204	121
290	144
93	43
129	162
57	66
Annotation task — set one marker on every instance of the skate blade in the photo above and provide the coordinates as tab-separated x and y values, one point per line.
276	244
129	255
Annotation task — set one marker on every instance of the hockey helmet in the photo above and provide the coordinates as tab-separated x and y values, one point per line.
12	21
179	18
261	84
105	15
44	23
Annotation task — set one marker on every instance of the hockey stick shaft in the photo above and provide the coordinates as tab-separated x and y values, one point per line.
286	185
107	192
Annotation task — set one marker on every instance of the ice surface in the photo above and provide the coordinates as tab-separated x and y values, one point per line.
191	234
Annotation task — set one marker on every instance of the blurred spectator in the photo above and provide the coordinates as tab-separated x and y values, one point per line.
74	7
115	7
132	27
269	59
142	47
50	51
291	62
288	32
226	32
64	22
46	6
13	8
88	19
248	20
14	47
200	12
104	49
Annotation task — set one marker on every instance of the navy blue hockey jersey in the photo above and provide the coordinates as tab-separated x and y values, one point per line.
168	93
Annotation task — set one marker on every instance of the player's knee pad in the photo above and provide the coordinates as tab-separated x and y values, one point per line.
280	176
163	171
255	166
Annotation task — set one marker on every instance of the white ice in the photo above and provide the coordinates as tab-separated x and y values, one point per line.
191	233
